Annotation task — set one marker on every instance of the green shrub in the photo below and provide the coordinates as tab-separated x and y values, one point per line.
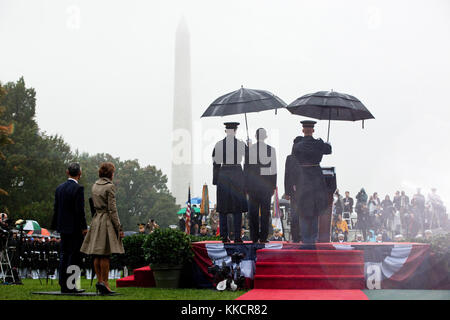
167	246
134	256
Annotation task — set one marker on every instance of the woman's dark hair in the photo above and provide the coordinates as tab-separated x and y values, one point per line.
106	170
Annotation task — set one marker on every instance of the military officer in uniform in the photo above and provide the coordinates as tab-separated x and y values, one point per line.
228	176
260	172
311	193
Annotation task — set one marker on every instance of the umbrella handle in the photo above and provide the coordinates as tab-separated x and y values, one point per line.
246	126
329	122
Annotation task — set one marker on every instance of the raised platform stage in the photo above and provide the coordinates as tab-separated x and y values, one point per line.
283	265
309	269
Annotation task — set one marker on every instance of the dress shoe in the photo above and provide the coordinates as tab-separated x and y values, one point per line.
102	289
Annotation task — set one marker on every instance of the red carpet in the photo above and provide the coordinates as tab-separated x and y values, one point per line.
309	269
142	277
291	294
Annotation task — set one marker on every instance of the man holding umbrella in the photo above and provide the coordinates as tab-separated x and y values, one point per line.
228	176
311	194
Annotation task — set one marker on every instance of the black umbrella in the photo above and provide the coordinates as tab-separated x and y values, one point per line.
330	105
244	101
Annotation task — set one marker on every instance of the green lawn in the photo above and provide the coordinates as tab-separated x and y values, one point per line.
393	294
24	292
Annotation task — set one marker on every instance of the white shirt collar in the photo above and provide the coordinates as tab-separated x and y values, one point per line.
73	180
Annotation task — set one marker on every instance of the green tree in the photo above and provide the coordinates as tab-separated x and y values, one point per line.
5	132
35	163
142	193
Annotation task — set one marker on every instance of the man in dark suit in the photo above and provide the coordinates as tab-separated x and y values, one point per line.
260	173
70	221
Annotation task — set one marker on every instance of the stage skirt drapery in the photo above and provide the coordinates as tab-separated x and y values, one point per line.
386	265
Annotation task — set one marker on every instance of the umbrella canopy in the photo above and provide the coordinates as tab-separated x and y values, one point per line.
183	210
243	101
42	231
31	225
330	105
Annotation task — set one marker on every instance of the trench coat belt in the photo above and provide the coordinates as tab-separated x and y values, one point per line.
309	165
98	211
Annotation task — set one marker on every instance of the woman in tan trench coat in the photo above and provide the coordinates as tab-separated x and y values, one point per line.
105	233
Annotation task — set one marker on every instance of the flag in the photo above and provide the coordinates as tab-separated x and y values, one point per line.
188	213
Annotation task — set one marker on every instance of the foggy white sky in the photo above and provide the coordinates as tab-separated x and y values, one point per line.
111	63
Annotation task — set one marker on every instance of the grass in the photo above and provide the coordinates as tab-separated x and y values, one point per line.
396	294
24	292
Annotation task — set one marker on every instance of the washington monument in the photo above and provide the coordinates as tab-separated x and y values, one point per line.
182	117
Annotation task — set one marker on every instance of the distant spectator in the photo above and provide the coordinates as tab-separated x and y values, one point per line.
412	225
244	235
428	234
182	222
404	206
203	231
362	223
141	228
359	238
151	226
341	237
387	212
348	202
361	197
379	238
277	235
340	227
338	203
398	238
418	207
397	201
374	207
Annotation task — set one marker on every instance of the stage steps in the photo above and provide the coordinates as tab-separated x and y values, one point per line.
309	269
141	277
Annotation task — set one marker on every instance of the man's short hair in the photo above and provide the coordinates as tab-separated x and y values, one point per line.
261	134
74	169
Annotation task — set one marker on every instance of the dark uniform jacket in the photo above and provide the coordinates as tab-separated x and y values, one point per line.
228	154
312	194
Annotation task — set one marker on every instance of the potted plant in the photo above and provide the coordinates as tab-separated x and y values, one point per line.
167	250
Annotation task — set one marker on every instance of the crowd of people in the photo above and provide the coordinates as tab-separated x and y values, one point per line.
388	219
